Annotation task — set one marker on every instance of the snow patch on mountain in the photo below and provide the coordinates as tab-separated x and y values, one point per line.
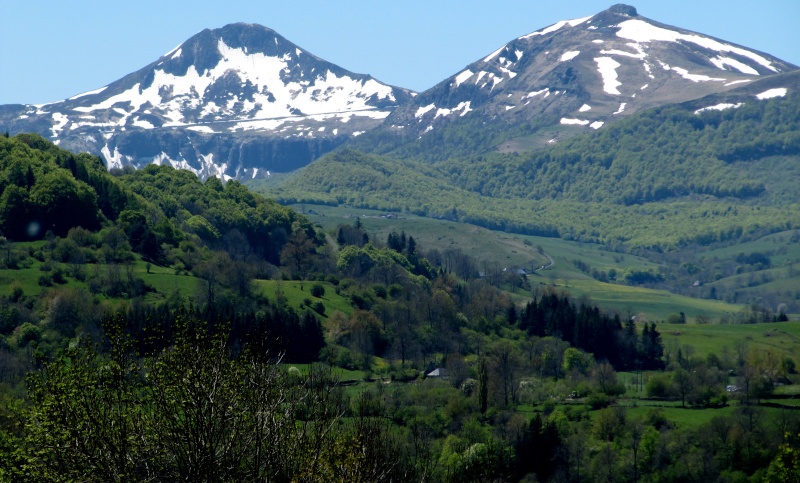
201	129
569	55
719	107
464	107
462	77
115	159
424	109
692	77
89	93
142	123
769	94
557	26
641	31
607	67
59	121
494	54
580	122
544	91
721	62
639	54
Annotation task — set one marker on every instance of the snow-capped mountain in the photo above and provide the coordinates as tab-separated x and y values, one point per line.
581	74
242	101
232	102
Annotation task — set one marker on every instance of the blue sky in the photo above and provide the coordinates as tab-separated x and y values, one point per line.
54	50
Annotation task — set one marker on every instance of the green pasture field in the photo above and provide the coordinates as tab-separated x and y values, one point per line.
685	417
337	372
531	253
296	291
647	304
26	279
495	247
596	256
705	339
783	278
782	246
166	282
163	280
682	417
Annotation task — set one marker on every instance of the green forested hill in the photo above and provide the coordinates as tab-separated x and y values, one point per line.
665	177
666	153
128	378
44	188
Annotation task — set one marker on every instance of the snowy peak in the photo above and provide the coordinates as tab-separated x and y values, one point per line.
238	74
238	80
589	71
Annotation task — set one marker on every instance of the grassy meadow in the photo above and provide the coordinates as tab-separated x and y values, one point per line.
531	253
704	339
297	292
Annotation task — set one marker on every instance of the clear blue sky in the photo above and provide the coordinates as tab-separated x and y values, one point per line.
52	50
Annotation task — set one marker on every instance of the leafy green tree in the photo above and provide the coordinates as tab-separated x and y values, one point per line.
575	360
85	421
317	290
27	333
213	417
197	411
62	202
15	219
298	253
483	384
785	467
202	227
682	384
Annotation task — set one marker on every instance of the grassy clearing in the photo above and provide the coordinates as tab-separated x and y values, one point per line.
26	279
783	246
295	292
782	279
705	339
684	417
494	247
163	280
531	253
646	304
166	282
337	372
790	390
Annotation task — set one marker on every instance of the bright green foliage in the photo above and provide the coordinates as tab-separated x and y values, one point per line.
194	412
785	468
575	360
86	421
382	264
663	178
46	188
213	211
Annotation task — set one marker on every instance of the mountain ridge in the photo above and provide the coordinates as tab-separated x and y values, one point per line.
243	82
243	102
657	168
572	76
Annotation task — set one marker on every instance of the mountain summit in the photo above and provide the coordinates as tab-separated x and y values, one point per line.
580	74
273	105
243	102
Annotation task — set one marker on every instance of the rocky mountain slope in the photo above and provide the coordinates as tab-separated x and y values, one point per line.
232	102
243	102
578	75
